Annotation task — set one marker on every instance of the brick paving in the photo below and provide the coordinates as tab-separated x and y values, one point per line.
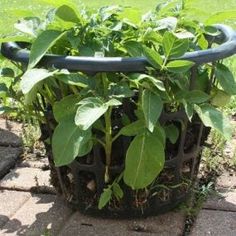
24	211
218	215
215	223
27	179
8	158
39	215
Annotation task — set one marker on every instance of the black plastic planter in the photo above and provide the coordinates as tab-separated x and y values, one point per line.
76	182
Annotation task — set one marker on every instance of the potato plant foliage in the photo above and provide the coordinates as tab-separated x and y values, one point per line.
83	104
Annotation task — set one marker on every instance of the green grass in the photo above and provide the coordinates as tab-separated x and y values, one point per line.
11	11
17	9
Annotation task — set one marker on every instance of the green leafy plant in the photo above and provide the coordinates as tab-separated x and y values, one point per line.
88	110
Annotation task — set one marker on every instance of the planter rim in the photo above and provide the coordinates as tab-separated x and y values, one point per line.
227	48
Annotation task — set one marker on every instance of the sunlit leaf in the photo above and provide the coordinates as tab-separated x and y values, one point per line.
211	117
41	45
69	141
89	112
32	77
179	66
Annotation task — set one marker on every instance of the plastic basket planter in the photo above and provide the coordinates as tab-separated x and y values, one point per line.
76	181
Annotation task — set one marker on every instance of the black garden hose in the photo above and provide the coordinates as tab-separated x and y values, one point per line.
226	39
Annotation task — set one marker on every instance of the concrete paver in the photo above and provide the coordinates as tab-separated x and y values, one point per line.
42	214
11	126
41	163
226	201
26	179
11	201
9	139
168	224
226	180
8	158
215	223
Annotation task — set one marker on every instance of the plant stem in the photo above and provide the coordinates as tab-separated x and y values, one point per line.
108	142
116	136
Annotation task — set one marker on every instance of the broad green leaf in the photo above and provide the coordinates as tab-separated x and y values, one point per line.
226	79
3	88
67	13
33	76
69	141
129	23
133	48
75	79
188	109
179	66
108	11
85	148
220	98
98	124
65	107
181	81
120	90
174	47
215	119
193	96
104	198
202	42
172	133
90	100
133	129
118	26
7	72
153	36
89	112
145	159
153	57
160	134
152	107
113	102
117	191
156	82
211	30
41	45
184	35
28	25
168	23
202	81
6	109
32	94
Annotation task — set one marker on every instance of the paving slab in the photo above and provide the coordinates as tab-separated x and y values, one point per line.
27	179
8	138
12	126
215	223
226	180
225	201
8	158
170	224
11	201
40	163
42	214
